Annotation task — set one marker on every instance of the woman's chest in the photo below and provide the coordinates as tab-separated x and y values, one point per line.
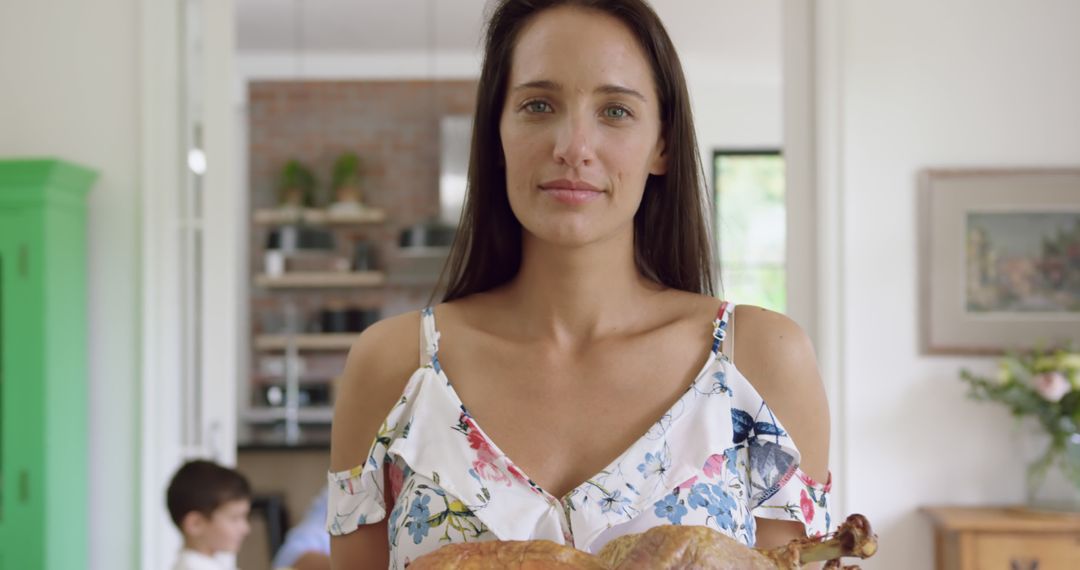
562	422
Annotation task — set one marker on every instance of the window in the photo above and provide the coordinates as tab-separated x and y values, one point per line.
750	226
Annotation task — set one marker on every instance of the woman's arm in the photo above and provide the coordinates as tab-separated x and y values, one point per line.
778	358
379	364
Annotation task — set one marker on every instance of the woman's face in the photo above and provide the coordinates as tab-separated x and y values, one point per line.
580	128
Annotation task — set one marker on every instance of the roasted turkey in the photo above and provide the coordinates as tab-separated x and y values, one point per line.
660	548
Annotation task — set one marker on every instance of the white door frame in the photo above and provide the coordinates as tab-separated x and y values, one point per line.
164	445
812	32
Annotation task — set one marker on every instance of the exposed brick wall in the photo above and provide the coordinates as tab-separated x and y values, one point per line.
393	126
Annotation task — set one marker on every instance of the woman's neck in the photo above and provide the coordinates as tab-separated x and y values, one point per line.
571	296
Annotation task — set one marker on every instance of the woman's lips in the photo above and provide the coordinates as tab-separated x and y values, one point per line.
571	191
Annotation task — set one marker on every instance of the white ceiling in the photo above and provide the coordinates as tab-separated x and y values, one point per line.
743	30
357	25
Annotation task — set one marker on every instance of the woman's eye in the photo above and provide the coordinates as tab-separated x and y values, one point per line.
616	112
537	107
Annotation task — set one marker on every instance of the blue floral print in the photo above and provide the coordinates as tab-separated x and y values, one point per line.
613	503
671	508
654	464
418	519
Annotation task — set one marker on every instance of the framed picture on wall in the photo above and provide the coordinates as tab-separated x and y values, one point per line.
1000	259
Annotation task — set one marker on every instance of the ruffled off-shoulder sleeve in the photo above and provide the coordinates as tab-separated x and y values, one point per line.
356	497
778	488
788	493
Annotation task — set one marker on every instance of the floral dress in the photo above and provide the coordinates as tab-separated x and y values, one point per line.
717	458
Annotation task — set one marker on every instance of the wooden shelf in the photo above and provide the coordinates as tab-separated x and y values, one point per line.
306	379
255	446
423	252
316	280
270	217
312	415
327	341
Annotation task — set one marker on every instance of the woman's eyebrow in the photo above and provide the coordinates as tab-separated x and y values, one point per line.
620	90
543	84
609	89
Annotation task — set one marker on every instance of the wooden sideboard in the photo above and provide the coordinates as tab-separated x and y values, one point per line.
1004	538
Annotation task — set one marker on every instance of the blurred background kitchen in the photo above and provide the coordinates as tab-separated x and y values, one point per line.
256	181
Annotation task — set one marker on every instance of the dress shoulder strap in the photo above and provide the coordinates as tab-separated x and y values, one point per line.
429	336
723	331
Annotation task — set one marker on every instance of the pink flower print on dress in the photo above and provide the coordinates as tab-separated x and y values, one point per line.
485	456
482	447
688	484
807	507
489	472
810	482
517	474
714	466
396	476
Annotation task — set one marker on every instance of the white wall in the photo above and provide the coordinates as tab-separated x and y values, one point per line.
733	111
70	89
928	83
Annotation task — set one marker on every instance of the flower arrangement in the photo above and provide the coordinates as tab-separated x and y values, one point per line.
1043	384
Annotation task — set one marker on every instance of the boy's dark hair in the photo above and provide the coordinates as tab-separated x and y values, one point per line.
203	486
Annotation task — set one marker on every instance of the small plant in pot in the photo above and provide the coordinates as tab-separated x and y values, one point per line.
296	186
348	176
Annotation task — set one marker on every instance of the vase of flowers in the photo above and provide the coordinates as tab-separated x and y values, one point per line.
1046	386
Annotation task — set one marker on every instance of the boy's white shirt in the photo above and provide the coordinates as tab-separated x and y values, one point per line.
194	560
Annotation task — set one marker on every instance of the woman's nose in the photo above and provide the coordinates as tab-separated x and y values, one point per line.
573	144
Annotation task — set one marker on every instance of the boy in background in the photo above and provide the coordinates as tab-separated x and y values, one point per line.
210	505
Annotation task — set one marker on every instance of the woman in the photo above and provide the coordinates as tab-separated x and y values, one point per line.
577	319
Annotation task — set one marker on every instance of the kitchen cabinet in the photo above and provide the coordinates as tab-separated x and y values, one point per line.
43	364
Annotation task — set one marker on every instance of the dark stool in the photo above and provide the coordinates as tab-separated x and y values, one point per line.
271	506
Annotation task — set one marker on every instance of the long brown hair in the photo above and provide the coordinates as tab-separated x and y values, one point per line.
671	238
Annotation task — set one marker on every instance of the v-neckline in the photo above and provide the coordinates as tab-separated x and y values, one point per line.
714	353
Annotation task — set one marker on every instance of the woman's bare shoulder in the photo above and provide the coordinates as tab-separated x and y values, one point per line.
767	340
774	353
390	346
379	364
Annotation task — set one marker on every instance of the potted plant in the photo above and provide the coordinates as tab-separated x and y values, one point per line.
1046	386
296	186
348	175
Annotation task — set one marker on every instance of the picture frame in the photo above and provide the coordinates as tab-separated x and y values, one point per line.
999	259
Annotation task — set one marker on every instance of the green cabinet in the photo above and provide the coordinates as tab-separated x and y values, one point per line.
43	366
